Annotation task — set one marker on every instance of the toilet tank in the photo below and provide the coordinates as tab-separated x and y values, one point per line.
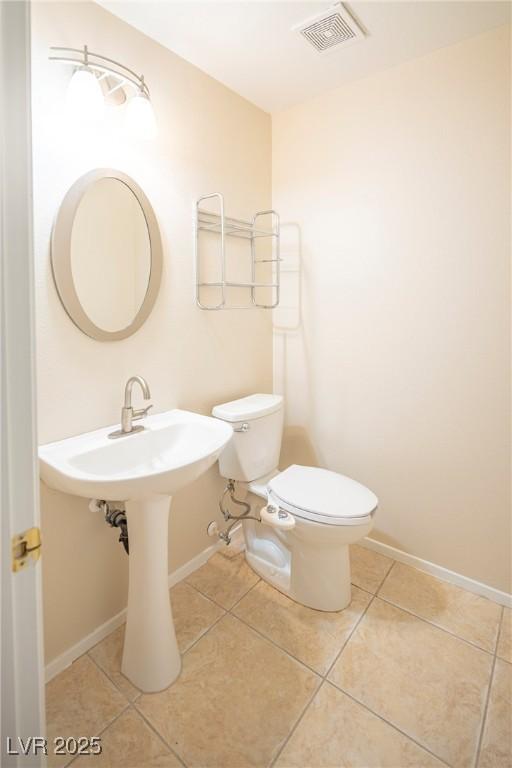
257	421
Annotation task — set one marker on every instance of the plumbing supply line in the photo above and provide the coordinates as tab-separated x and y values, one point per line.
116	518
230	489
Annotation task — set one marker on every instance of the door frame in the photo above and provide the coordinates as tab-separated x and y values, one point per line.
21	643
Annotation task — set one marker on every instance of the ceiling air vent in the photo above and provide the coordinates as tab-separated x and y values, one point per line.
326	31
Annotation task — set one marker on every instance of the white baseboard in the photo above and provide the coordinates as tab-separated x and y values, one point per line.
471	585
85	644
192	565
68	657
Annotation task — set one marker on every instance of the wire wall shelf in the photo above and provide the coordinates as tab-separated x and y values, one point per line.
251	231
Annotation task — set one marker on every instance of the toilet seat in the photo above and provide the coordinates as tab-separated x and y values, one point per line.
322	496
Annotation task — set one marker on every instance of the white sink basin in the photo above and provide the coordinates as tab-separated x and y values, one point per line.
143	470
172	451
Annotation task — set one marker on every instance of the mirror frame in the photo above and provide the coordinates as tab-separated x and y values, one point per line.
61	255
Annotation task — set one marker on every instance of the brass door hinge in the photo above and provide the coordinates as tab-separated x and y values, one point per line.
25	547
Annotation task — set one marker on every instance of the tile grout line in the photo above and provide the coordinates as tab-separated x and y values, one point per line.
110	679
388	722
200	636
367	591
102	731
322	677
284	650
484	714
229	611
488	694
376	595
139	693
196	589
253	586
437	626
428	621
159	735
363	614
350	635
205	595
132	703
215	602
294	728
326	676
326	680
226	611
385	577
206	632
203	634
323	680
500	630
363	589
279	648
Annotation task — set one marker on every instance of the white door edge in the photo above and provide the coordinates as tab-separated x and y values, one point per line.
21	660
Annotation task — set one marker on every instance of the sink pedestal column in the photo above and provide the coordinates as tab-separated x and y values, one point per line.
151	658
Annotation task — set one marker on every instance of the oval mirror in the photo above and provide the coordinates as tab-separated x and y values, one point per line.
106	255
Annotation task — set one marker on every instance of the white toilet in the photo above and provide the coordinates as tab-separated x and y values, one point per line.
309	517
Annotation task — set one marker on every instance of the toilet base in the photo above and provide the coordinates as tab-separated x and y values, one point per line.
310	564
307	594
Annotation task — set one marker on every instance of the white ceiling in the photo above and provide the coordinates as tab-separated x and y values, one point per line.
249	46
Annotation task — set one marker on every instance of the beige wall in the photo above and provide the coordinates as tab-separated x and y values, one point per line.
209	139
399	375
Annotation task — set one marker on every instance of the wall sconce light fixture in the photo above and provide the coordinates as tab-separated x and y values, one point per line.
97	79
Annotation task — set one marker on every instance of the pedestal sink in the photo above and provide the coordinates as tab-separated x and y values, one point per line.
144	470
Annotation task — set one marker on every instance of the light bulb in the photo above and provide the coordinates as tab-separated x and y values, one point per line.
140	118
85	98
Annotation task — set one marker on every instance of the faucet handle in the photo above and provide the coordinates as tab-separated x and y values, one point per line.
141	412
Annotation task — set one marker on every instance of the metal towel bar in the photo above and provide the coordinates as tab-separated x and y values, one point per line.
228	226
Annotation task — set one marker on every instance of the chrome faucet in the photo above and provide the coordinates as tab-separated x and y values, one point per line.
128	414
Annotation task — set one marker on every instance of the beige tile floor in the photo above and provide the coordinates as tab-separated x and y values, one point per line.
415	673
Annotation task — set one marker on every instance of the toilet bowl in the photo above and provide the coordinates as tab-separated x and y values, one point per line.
311	515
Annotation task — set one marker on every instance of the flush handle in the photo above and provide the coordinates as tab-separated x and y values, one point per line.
245	427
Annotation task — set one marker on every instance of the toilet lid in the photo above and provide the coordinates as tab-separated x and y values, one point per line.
250	407
322	495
